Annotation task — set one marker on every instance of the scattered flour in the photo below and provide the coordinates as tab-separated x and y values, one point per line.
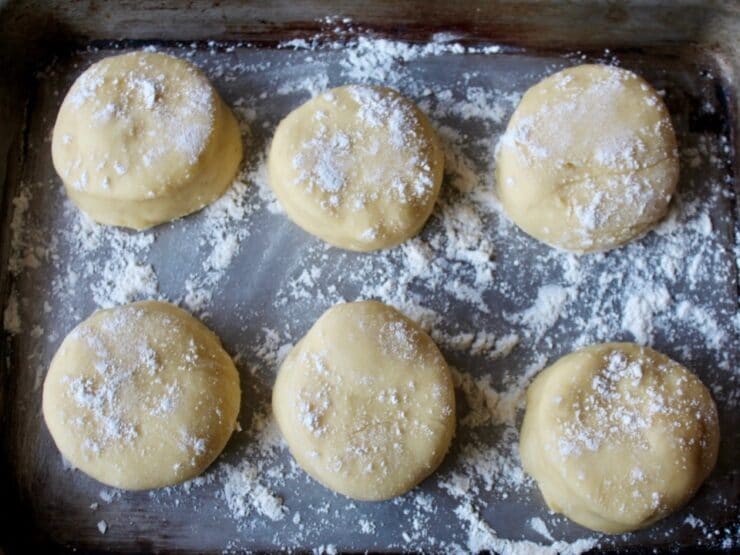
539	526
639	310
481	537
124	276
223	230
546	310
244	492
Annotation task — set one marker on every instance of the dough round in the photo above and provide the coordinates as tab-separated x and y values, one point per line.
143	138
589	159
141	396
358	166
618	436
366	402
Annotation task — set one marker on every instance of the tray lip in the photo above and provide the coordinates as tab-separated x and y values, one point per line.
723	56
469	17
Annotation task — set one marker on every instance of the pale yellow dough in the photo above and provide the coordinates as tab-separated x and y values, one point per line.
141	396
618	436
358	166
366	402
143	138
589	159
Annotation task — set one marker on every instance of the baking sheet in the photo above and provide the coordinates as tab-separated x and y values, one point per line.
477	283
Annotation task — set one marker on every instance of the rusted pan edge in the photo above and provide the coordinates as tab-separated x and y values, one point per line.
538	23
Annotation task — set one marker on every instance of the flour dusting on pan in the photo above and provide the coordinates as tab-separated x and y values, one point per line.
500	305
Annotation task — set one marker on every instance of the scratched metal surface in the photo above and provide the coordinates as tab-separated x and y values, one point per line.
276	252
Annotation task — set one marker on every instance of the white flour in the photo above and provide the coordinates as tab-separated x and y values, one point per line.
500	305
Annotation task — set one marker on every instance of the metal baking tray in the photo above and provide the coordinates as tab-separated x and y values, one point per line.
471	278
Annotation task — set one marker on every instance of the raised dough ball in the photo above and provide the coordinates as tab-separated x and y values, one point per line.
618	436
143	138
366	402
358	166
589	159
141	396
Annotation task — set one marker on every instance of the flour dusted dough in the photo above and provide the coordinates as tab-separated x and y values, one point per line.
141	396
143	138
589	159
618	436
358	166
366	402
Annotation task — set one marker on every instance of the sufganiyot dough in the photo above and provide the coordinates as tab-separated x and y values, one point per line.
141	396
618	436
143	138
366	402
589	159
358	166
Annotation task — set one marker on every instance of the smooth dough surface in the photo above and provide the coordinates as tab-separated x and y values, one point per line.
618	436
366	402
358	166
141	396
589	159
143	138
